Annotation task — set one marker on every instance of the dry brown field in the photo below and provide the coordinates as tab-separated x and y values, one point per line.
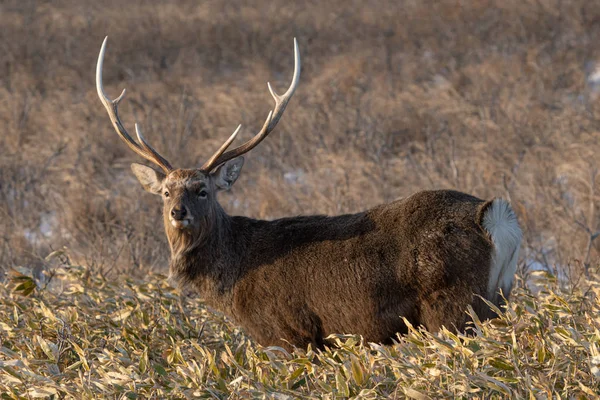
490	97
495	98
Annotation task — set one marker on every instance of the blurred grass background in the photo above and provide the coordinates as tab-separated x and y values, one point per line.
491	97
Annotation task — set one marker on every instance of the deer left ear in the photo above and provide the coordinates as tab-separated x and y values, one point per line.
150	178
226	175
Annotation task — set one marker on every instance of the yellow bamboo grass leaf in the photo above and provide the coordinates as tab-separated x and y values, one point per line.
49	348
415	394
121	315
42	392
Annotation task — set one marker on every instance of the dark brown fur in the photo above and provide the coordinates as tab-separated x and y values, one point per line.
300	279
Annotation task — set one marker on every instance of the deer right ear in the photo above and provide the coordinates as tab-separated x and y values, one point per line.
150	179
227	174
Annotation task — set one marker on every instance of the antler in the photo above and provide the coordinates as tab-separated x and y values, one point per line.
143	148
272	119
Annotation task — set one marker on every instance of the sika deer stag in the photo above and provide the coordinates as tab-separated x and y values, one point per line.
296	280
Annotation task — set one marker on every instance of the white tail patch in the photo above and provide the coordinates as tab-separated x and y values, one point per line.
501	223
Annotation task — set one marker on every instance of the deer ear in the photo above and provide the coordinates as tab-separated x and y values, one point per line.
228	173
150	179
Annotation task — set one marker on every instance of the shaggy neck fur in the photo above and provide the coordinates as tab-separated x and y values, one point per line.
198	254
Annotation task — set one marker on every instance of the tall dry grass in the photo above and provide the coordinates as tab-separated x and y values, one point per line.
78	336
489	97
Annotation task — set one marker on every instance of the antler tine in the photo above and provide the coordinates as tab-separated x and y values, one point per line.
281	101
154	156
222	149
271	122
145	150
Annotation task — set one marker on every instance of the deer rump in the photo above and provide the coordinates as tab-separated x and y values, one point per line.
297	280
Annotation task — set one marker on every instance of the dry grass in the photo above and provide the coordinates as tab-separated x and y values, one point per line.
490	97
81	336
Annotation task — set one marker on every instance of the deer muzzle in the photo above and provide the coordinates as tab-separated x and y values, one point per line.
179	217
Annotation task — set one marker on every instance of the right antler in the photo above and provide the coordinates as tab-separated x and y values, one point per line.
143	149
272	119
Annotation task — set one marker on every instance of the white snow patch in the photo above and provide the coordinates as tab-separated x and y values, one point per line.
295	177
46	228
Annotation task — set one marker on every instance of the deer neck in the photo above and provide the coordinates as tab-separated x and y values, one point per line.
206	260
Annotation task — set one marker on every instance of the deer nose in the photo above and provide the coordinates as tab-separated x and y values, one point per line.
178	213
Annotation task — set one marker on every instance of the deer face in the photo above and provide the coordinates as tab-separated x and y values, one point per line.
189	195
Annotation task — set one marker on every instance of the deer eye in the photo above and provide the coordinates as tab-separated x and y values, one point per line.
202	194
166	194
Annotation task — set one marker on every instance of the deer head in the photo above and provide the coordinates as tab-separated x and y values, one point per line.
189	196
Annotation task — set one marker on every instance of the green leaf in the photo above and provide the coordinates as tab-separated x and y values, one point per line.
501	364
357	371
160	369
143	365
